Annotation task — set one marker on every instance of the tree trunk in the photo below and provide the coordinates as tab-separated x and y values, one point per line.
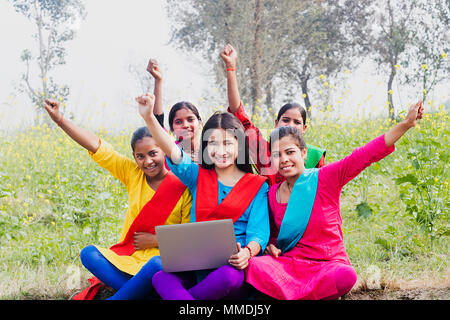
389	95
228	12
424	87
304	86
269	97
255	71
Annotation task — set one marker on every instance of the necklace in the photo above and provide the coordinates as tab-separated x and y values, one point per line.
278	193
289	187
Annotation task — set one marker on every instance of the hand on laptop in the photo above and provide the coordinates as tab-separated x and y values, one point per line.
240	259
144	240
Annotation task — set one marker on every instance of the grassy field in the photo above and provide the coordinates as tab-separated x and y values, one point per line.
54	200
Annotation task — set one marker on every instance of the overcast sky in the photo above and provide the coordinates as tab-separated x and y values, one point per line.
113	35
117	33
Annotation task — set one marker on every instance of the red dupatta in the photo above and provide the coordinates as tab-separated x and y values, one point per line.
234	204
155	212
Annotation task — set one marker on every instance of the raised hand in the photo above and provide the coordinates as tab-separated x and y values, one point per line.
154	70
52	107
229	56
394	134
146	104
414	114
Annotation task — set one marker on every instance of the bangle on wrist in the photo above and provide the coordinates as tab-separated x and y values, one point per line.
60	120
249	250
231	69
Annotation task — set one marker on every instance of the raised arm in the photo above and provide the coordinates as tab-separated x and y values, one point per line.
229	56
156	72
414	114
162	138
341	172
83	137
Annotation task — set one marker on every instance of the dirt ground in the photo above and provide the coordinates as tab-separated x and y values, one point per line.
408	292
400	294
429	289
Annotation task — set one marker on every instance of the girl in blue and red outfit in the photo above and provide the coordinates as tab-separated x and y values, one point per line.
222	187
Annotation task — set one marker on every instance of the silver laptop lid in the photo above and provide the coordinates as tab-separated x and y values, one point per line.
196	246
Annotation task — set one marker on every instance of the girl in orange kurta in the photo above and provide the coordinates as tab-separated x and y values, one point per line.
142	178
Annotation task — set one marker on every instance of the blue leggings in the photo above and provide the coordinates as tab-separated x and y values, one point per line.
127	286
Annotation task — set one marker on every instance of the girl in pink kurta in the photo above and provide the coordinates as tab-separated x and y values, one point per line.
309	260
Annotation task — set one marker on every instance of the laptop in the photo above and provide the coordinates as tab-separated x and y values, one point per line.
197	245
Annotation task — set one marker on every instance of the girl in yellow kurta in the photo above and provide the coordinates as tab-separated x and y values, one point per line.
141	177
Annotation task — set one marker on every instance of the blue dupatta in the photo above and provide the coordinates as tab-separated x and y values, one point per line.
298	210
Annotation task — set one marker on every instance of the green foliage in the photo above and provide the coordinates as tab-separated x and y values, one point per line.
424	184
364	210
55	200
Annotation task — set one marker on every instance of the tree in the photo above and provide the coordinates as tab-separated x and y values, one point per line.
207	26
55	23
328	39
284	39
391	37
427	63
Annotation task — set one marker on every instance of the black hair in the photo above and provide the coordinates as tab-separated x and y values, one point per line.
230	123
138	135
181	105
284	131
289	106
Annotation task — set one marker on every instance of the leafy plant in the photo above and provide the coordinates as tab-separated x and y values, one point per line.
424	186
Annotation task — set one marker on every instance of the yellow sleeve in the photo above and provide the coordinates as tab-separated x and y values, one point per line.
186	207
118	165
182	211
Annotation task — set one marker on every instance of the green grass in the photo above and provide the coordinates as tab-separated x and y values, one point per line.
54	200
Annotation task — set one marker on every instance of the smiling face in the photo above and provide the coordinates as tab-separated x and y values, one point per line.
287	156
149	157
291	117
185	124
222	148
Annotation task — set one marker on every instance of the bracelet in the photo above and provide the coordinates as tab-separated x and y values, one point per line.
231	69
249	250
61	120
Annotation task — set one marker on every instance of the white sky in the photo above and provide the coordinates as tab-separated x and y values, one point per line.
117	33
113	35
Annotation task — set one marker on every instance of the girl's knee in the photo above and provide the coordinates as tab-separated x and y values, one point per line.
152	266
231	276
88	254
159	277
345	277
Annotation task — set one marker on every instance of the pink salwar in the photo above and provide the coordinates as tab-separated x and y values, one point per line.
308	271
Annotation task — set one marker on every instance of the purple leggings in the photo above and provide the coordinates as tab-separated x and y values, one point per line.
345	278
224	282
